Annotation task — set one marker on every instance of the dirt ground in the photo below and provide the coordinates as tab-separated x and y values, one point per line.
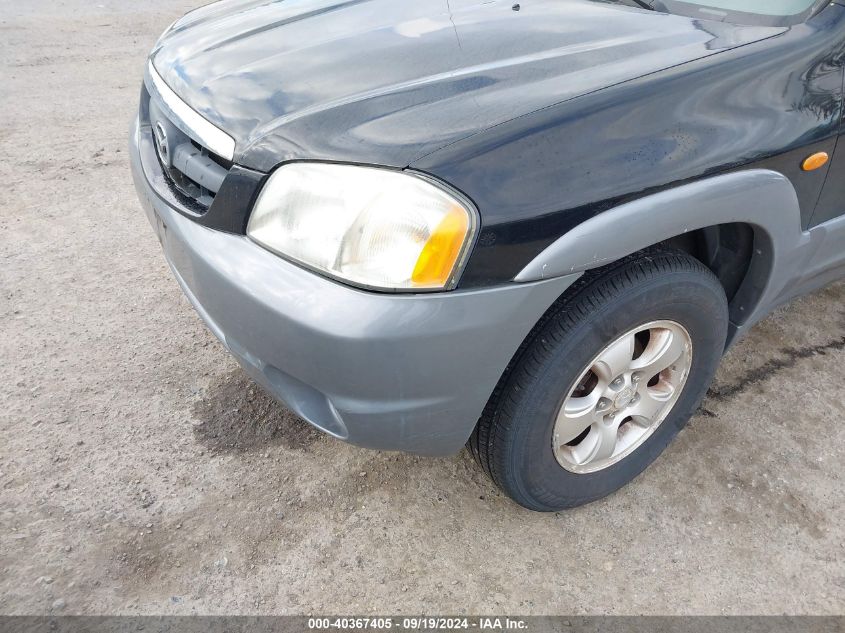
142	472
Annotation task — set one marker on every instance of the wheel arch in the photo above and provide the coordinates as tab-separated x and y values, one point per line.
754	210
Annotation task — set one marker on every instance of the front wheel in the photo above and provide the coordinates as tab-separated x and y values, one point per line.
605	382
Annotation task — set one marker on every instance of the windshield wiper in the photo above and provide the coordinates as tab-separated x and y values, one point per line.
641	4
648	5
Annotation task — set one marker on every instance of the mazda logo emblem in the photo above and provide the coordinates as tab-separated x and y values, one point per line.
161	144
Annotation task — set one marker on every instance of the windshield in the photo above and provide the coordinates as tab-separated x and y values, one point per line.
764	12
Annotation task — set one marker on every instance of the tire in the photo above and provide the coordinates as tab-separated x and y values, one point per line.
513	440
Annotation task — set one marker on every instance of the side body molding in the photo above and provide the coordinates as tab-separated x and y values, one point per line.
785	257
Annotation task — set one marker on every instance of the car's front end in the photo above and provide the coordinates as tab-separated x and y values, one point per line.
274	154
406	368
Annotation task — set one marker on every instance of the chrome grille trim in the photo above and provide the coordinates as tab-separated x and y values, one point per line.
189	121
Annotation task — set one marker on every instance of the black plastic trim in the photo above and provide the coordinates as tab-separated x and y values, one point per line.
232	205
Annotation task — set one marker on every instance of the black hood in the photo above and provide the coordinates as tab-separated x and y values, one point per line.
387	81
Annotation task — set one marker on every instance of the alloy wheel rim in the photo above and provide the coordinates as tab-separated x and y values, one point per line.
622	396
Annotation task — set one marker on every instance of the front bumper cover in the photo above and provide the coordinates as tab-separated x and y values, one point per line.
393	372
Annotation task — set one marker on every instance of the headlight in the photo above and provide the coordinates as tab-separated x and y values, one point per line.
372	227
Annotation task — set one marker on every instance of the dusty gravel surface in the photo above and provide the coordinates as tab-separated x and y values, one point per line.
142	472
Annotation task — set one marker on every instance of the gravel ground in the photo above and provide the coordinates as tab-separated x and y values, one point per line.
142	472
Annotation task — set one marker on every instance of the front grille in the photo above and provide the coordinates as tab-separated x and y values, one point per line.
191	169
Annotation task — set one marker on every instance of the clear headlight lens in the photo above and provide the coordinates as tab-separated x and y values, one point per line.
372	227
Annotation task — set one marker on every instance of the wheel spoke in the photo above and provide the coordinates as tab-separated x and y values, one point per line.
616	359
664	348
575	415
599	443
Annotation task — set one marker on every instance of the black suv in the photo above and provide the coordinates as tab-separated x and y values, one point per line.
531	228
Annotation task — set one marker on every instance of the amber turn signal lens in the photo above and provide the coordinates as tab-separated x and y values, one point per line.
441	252
815	161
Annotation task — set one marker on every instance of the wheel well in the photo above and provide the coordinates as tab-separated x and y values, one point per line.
726	249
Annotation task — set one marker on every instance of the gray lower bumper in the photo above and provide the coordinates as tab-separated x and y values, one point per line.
396	372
